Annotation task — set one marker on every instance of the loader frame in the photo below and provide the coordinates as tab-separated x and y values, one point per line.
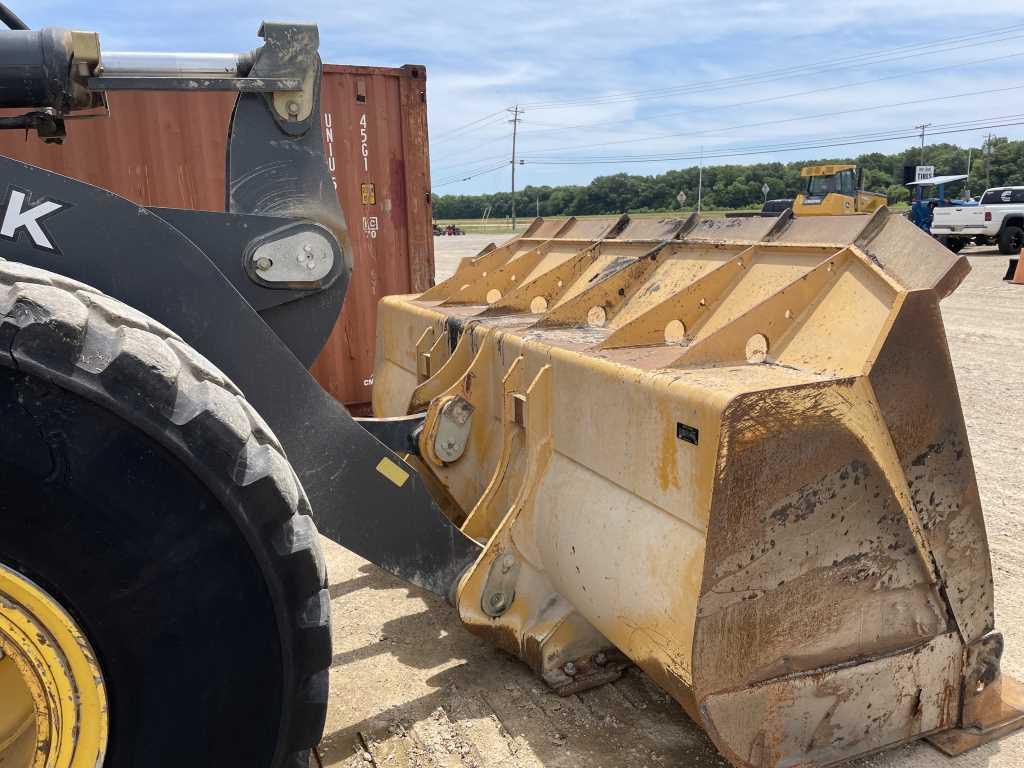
201	273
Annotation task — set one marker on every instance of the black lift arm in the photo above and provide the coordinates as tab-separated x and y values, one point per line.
255	288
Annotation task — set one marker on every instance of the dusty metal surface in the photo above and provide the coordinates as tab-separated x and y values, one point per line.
733	451
167	149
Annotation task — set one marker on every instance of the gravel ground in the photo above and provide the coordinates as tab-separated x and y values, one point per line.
411	689
448	251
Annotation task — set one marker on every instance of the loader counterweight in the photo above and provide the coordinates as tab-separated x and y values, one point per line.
731	450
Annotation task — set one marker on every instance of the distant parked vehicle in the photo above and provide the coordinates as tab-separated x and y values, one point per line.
998	218
777	206
449	229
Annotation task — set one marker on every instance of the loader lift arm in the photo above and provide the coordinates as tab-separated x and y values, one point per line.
257	288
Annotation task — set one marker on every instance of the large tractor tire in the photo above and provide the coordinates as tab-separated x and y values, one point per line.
158	566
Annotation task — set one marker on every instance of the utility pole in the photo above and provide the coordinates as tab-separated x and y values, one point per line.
988	161
700	178
967	191
516	112
921	129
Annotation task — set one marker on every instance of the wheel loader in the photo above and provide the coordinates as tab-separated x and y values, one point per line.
834	190
730	452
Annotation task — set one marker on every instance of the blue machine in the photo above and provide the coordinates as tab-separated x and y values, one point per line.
921	208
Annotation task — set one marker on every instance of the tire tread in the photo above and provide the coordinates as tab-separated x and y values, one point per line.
118	357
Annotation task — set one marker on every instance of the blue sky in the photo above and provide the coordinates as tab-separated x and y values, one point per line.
484	57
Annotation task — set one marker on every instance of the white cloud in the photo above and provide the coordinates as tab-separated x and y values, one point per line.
482	57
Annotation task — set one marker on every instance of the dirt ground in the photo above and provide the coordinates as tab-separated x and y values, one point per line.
411	689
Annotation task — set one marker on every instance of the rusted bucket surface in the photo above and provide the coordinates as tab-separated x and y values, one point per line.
731	450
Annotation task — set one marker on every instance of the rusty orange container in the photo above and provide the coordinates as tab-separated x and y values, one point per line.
168	148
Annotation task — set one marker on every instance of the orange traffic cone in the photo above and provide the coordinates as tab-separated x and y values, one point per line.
1018	273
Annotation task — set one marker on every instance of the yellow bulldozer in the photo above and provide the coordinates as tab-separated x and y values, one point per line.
834	190
728	451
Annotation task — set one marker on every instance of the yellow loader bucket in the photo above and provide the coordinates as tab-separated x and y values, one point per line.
730	451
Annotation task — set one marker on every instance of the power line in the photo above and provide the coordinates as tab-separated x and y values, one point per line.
754	150
470	124
471	172
780	121
465	152
471	176
874	57
791	70
496	118
883	56
783	97
456	180
475	161
760	124
836	141
790	145
466	130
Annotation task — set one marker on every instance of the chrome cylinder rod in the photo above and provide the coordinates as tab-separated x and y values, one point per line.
142	64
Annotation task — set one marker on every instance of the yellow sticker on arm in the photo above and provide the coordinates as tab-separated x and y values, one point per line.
392	471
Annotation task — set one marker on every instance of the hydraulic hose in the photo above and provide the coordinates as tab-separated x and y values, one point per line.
8	17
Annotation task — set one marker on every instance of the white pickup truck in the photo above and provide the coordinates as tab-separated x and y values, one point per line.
998	218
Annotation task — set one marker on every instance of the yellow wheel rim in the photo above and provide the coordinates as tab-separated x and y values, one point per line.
53	702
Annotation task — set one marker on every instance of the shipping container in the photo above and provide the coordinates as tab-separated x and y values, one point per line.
168	149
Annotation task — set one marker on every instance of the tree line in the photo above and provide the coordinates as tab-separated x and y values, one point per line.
728	187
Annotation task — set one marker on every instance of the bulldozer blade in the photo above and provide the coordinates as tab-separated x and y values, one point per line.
731	450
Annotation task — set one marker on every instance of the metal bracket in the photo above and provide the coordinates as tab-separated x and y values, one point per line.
500	587
993	703
286	49
449	433
293	257
587	672
399	433
47	123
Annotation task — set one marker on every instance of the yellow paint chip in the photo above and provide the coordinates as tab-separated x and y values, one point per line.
392	471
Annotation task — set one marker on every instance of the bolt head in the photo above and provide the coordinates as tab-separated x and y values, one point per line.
497	601
307	248
263	264
310	265
600	659
293	107
569	668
